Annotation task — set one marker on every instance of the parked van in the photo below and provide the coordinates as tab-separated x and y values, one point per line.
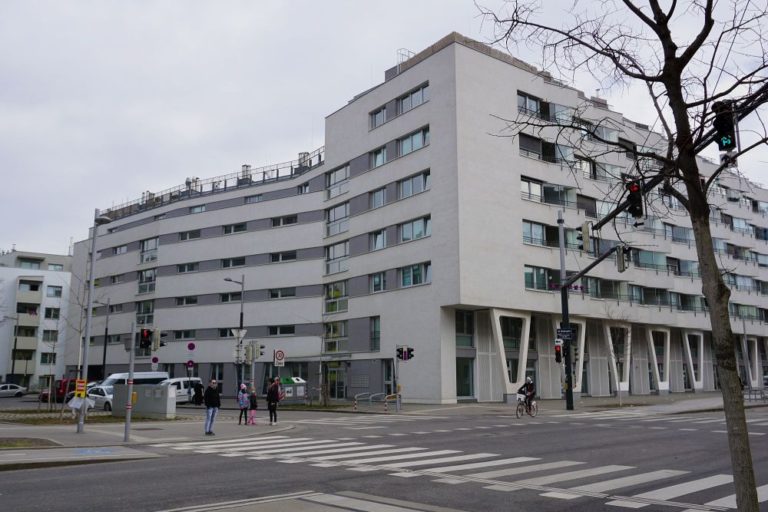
138	378
185	387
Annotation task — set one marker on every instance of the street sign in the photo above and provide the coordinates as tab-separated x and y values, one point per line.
565	334
190	364
239	334
80	388
191	346
279	358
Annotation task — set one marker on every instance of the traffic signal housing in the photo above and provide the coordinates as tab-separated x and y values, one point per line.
621	260
400	353
409	353
583	237
635	197
158	339
725	127
145	339
248	354
558	351
262	349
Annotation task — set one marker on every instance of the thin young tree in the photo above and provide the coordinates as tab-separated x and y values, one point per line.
688	55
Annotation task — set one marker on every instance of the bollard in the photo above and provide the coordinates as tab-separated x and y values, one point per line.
386	404
354	408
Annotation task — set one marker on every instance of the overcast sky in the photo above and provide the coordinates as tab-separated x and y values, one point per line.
101	100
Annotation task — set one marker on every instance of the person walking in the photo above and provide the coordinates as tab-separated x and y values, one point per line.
253	405
273	396
212	401
243	402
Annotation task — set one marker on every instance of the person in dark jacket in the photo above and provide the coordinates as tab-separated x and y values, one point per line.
212	401
198	398
273	396
254	404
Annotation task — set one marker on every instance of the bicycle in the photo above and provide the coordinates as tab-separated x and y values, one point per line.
521	409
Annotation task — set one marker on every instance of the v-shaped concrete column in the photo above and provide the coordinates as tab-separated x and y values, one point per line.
661	381
697	337
621	381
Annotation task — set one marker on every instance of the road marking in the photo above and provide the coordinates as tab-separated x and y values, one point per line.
617	483
689	429
406	456
290	449
264	446
455	458
525	469
338	450
573	475
674	491
365	454
343	502
730	501
201	443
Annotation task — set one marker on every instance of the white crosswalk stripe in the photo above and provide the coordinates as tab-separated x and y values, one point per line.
674	491
616	483
730	501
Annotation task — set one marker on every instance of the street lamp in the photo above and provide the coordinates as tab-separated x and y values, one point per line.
98	220
241	335
106	337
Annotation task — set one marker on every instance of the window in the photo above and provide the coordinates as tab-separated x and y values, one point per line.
230	297
377	198
335	336
120	249
302	189
416	274
116	279
55	266
253	199
30	264
276	257
26	309
537	278
465	328
375	334
115	308
378	239
53	291
29	286
48	358
197	209
235	228
226	332
534	147
145	312
378	282
337	219
511	332
413	185
530	189
52	313
281	330
378	157
148	250
336	257
336	182
335	297
413	99
233	262
160	217
187	267
415	229
190	300
534	233
378	117
187	334
414	141
286	220
26	332
282	293
50	335
527	104
147	280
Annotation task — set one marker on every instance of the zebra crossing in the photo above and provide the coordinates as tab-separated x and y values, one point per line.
551	479
364	421
695	420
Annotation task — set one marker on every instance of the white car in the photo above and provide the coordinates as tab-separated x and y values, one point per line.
102	397
12	390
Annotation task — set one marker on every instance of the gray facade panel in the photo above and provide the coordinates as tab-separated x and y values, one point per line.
391	150
358	245
391	236
257	259
357	286
391	192
168	238
311	216
280	194
359	165
391	109
211	232
312	290
309	330
210	265
167	270
358	332
317	183
358	204
259	224
165	302
392	283
208	299
311	253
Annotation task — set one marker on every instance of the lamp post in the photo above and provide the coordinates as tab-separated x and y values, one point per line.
13	351
98	220
241	335
106	337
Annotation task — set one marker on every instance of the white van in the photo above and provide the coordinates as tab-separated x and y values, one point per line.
138	378
185	387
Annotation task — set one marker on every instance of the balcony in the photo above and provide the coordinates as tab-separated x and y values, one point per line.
25	343
30	297
26	319
24	366
333	346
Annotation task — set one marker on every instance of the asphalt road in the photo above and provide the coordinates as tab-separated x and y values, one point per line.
460	460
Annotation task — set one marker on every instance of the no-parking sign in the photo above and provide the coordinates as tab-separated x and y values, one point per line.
279	358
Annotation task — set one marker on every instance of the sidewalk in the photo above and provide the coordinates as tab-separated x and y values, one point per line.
104	441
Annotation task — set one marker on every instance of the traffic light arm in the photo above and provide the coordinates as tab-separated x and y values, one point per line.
568	282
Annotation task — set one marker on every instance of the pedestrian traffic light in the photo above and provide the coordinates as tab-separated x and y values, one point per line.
400	353
145	339
262	349
583	237
635	198
409	353
249	354
158	339
558	351
725	128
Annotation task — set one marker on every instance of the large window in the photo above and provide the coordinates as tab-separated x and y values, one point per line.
190	300
378	282
187	267
378	157
415	229
465	328
534	233
148	250
413	99
336	298
29	264
537	278
378	239
414	141
277	257
230	297
413	185
282	293
233	262
52	313
337	219
413	275
542	150
281	330
335	336
285	220
336	182
53	291
378	117
145	312
375	334
120	249
31	286
511	332
189	235
336	256
147	280
50	335
229	229
377	198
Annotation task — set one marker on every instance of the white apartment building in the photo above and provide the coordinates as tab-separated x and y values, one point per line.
419	224
34	308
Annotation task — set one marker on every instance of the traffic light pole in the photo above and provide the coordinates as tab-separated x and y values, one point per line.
566	321
129	396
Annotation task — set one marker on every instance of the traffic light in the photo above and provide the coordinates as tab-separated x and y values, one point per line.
145	339
583	237
158	339
262	349
400	353
621	261
635	198
558	351
725	129
248	354
409	353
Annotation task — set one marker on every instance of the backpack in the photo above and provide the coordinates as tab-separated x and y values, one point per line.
242	399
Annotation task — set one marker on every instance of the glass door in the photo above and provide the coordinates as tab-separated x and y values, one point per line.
464	377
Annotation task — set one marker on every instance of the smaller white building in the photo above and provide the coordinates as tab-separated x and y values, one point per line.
34	288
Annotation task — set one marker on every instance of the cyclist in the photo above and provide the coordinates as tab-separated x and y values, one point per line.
528	389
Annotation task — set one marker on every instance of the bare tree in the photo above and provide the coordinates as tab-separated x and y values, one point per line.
687	55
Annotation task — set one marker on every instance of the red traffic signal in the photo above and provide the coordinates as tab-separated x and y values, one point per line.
635	197
558	353
145	338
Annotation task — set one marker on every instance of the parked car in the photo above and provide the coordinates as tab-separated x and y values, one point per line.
12	390
102	397
183	387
